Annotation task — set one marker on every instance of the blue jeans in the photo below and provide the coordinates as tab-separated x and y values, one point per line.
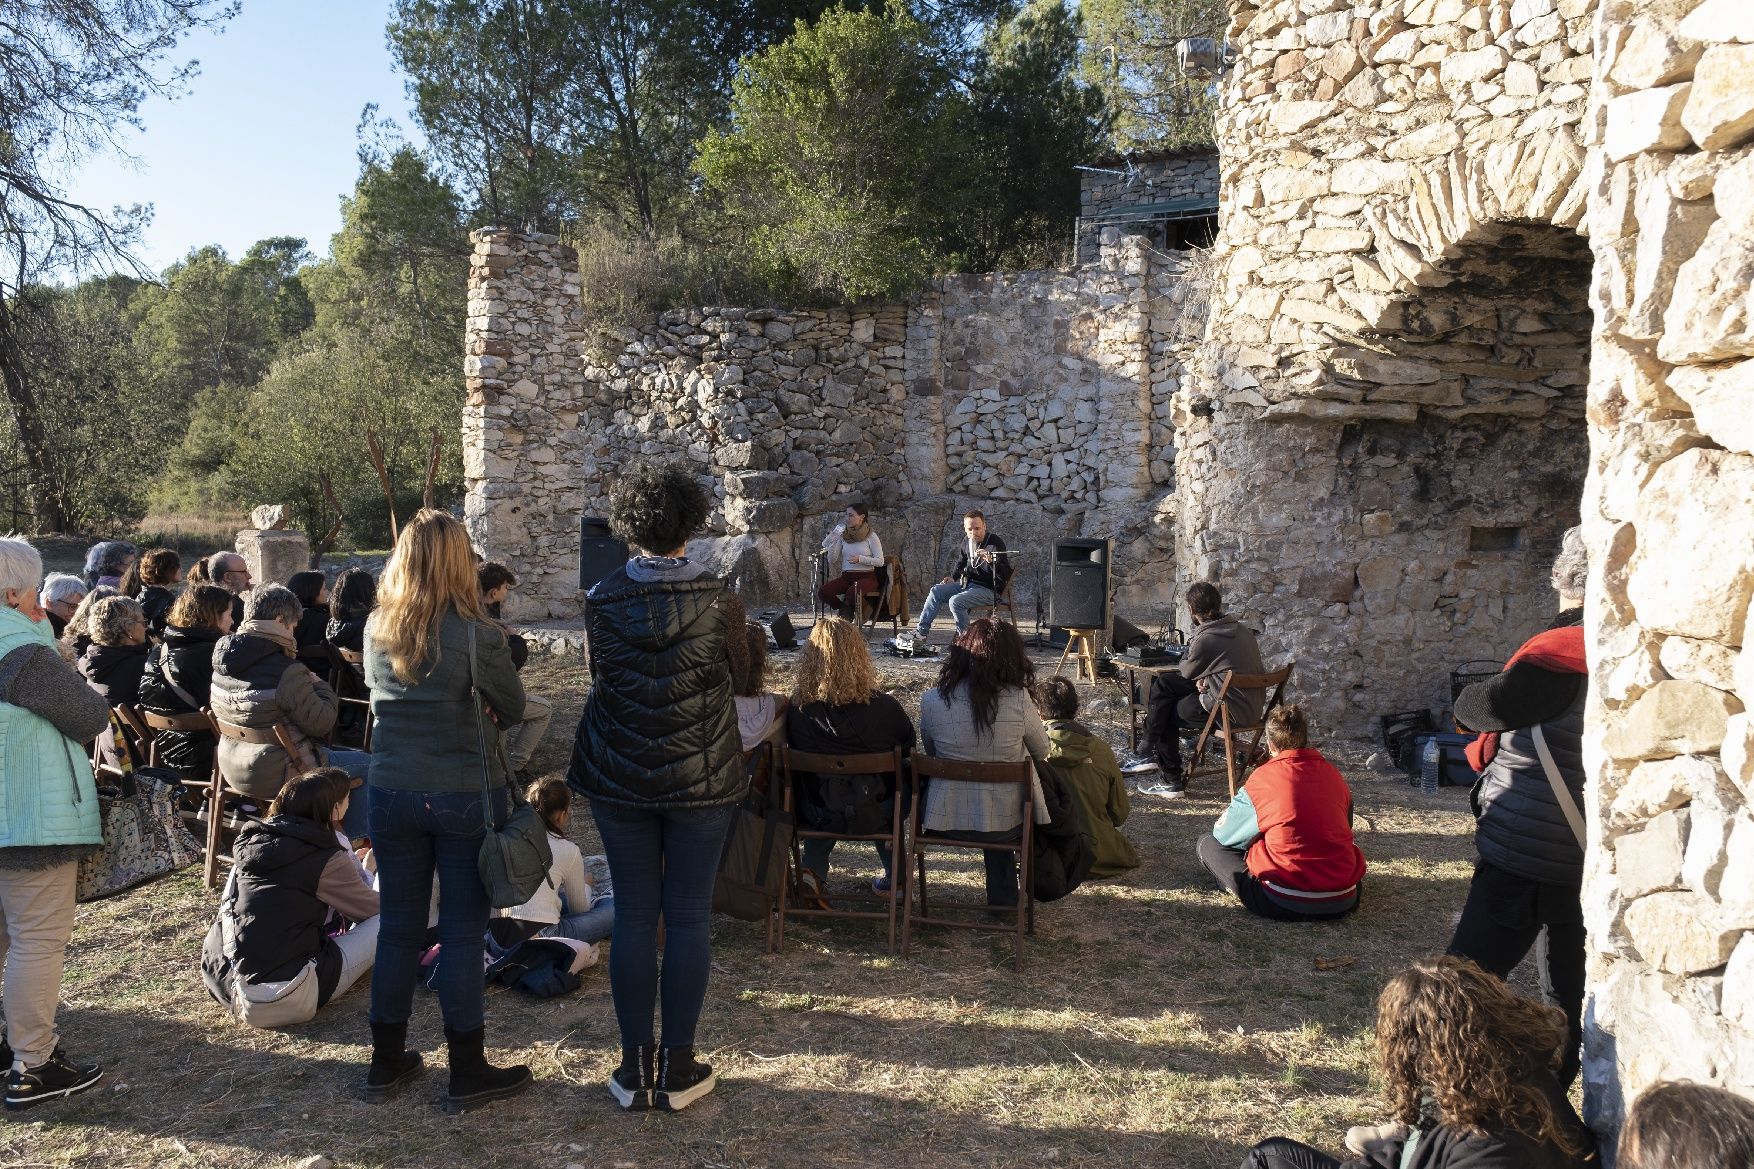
356	764
663	860
958	598
592	925
414	833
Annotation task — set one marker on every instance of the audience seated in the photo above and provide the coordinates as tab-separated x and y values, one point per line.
1681	1125
761	715
837	709
566	906
179	675
497	582
258	682
116	658
106	562
76	639
61	594
1468	1069
1284	846
350	603
1088	766
312	590
152	581
269	955
980	711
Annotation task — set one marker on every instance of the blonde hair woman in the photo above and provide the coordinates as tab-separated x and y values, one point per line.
837	709
427	642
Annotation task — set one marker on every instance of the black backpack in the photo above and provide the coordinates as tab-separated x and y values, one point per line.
859	805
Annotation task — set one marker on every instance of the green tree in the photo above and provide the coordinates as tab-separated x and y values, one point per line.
1035	121
846	162
73	75
1131	52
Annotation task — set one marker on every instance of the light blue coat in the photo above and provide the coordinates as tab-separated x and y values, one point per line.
47	793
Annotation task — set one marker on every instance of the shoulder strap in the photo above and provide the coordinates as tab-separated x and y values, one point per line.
1561	793
480	734
164	671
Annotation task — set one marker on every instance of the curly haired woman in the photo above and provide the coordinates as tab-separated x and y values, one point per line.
1468	1067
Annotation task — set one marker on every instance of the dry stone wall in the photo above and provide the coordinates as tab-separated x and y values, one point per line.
1669	513
1115	184
1041	397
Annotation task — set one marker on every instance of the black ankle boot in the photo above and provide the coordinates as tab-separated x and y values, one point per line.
474	1081
632	1083
682	1079
393	1065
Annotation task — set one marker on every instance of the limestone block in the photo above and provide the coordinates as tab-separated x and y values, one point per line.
1720	110
273	556
1738	753
1648	119
1656	787
1708	832
1709	317
1670	230
759	515
1693	573
1650	860
1720	20
1459	69
1682	933
1379	574
1736	887
1739	983
1672	718
269	517
1692	660
1291	116
1653	56
1722	400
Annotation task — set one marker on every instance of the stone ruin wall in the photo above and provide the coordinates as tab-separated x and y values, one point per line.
1040	397
1161	177
1479	259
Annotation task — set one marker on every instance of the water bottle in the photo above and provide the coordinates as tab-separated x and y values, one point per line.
1430	759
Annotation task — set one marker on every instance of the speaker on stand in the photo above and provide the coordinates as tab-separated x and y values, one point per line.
1078	596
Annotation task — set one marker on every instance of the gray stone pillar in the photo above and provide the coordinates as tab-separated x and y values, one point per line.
273	556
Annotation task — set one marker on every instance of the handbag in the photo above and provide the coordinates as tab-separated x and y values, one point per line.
259	1004
515	857
752	867
144	835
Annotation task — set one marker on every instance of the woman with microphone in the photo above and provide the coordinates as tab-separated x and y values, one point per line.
854	549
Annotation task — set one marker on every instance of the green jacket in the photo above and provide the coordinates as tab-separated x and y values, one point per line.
1089	768
47	794
424	736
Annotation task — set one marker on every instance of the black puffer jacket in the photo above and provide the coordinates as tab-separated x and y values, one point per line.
156	602
114	671
275	906
1522	829
659	728
347	633
185	657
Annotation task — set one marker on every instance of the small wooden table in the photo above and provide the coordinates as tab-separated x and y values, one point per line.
1084	640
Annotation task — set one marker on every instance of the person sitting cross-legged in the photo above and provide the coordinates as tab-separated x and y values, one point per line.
1468	1069
1089	767
1284	846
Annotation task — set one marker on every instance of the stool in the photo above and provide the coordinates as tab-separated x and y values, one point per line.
1083	640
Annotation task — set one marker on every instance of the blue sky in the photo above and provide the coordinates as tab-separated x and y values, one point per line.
263	143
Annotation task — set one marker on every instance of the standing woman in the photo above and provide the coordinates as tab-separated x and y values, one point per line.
659	757
425	796
855	552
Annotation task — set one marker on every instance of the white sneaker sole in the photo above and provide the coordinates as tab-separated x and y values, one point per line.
35	1098
628	1098
677	1101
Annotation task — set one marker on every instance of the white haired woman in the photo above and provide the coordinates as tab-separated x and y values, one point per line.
46	713
61	595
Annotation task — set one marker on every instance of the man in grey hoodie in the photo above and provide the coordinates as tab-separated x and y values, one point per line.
1220	642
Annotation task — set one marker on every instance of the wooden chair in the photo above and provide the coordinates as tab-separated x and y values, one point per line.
1001	600
874	763
923	769
197	807
225	796
347	678
1218	720
889	601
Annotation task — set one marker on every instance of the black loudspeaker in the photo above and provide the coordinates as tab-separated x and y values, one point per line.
780	626
1078	587
599	553
1127	634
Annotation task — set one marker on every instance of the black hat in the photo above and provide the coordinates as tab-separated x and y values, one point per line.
1523	695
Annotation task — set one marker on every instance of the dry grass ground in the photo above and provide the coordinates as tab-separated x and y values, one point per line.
1155	1024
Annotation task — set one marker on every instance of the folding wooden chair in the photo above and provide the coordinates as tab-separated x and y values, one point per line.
1218	720
225	796
874	763
923	769
889	600
1001	600
199	794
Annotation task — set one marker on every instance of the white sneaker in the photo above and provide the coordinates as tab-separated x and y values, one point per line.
1140	766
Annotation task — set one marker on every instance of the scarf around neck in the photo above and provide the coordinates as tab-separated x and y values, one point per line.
859	534
273	631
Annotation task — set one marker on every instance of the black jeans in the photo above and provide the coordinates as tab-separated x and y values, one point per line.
1229	868
1283	1153
1504	916
1001	866
1174	703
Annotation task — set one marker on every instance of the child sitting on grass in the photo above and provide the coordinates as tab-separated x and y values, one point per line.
1284	846
564	906
1468	1068
1090	770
